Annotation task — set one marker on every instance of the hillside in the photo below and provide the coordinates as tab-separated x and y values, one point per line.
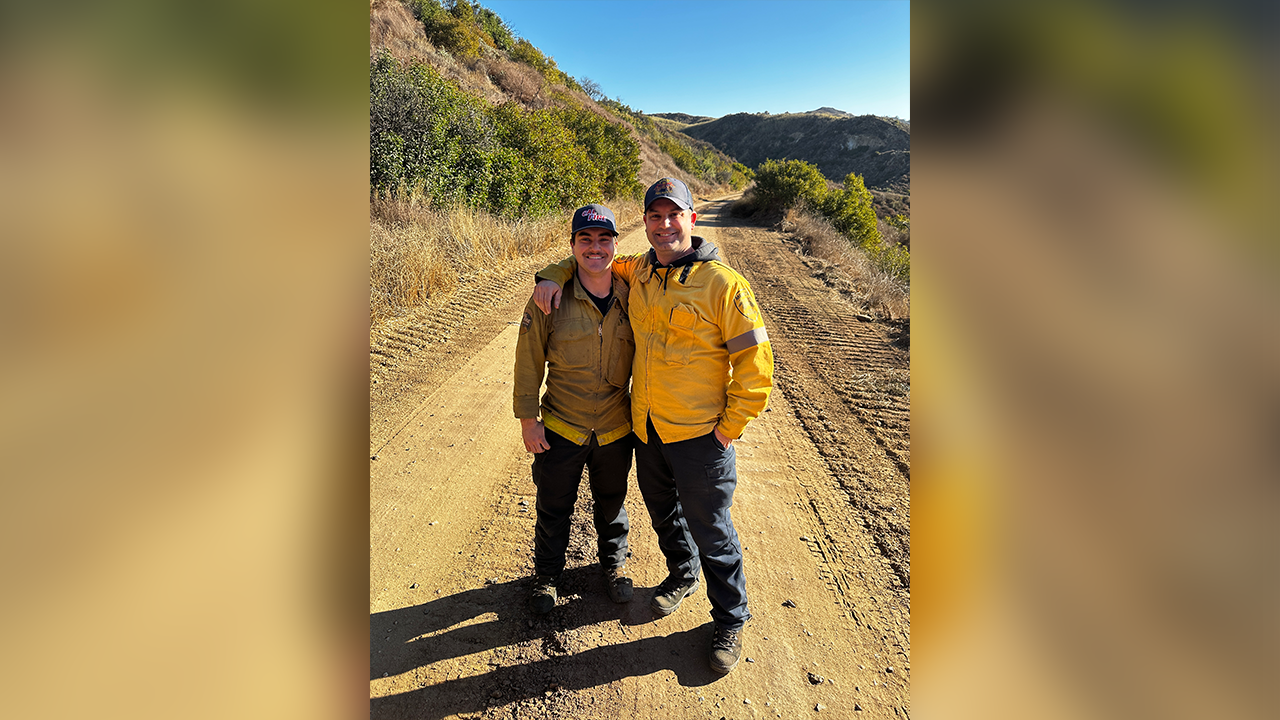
876	148
473	50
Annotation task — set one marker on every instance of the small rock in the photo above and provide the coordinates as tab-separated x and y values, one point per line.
819	707
750	660
788	603
433	522
524	503
857	707
889	669
413	586
815	679
806	538
746	701
373	457
491	581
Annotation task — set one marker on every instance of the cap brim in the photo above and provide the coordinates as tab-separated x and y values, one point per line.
594	225
679	203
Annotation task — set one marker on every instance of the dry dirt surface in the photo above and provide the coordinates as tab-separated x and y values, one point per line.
822	508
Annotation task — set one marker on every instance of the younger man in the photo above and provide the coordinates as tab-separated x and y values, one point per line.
584	349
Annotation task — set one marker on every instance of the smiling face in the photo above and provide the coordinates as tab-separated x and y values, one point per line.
594	249
669	229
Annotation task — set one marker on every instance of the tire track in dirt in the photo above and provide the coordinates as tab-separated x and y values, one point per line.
849	385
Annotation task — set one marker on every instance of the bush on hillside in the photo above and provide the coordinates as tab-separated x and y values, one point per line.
449	30
495	29
525	52
428	137
461	27
850	211
610	146
780	185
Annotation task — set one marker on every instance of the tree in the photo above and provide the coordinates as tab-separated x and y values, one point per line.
851	213
592	89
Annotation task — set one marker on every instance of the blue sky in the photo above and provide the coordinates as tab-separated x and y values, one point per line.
717	57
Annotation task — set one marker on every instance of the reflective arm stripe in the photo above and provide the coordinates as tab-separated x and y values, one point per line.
747	339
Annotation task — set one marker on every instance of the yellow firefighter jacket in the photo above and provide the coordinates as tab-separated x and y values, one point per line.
586	359
702	357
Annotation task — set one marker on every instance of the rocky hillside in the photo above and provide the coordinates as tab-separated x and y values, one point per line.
878	149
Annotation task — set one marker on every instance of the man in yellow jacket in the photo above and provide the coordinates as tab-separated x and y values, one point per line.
703	369
584	350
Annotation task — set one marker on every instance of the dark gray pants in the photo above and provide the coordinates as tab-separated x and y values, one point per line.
688	488
557	473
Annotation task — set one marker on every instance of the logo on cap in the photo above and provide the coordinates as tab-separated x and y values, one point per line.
592	215
663	186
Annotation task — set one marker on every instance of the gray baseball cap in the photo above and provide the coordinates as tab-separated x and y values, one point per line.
671	189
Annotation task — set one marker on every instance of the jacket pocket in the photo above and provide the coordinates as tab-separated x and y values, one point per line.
621	355
574	344
681	335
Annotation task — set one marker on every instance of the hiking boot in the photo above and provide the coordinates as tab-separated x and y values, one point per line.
618	583
726	649
669	594
543	597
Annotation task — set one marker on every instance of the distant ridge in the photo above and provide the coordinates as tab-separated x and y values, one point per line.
838	143
682	117
824	110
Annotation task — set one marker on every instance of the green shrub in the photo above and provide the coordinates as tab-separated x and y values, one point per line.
427	136
780	185
453	30
525	52
783	185
495	29
850	211
611	148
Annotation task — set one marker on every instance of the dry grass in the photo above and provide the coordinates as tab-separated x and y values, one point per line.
418	255
847	268
519	81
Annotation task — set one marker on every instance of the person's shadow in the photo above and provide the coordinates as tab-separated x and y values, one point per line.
405	639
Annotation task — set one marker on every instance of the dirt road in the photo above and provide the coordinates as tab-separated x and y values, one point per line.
822	508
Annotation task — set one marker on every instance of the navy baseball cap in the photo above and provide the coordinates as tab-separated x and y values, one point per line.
671	189
593	216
